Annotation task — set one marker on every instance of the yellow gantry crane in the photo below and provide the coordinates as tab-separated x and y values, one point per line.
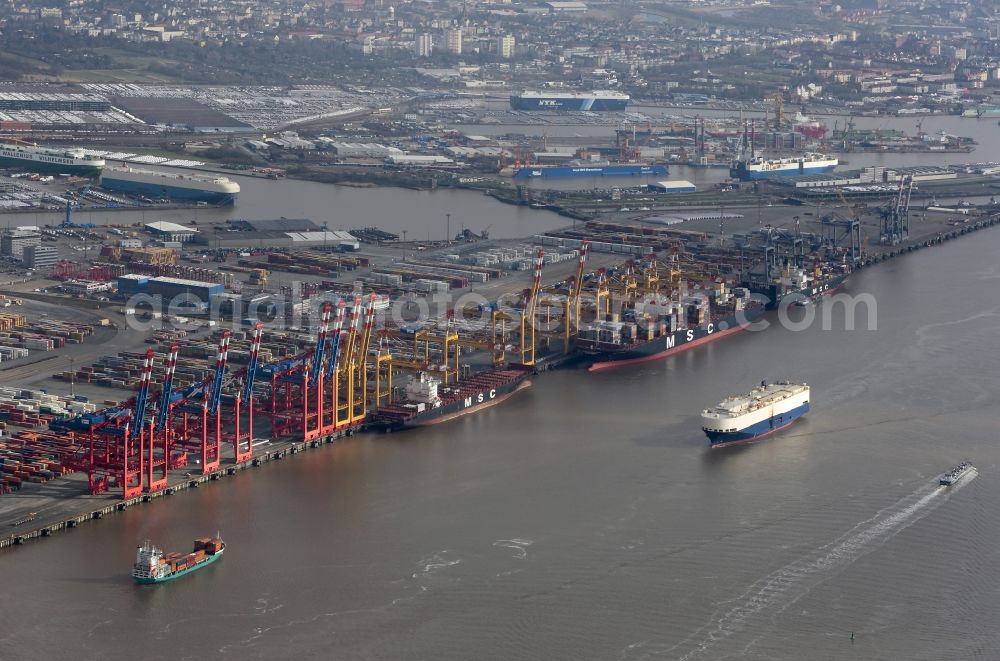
528	321
447	340
572	309
650	275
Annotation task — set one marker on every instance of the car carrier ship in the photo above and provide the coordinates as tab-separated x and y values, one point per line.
594	101
758	167
213	189
428	402
41	159
152	565
758	413
659	328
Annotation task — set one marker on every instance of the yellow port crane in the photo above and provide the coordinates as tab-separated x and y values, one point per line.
528	321
572	310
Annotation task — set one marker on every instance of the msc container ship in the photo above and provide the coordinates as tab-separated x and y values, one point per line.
41	159
595	170
595	101
428	402
762	411
153	566
200	188
661	328
759	167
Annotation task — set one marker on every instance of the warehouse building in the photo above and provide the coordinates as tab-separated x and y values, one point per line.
679	186
40	257
171	232
330	239
177	292
417	160
359	149
14	242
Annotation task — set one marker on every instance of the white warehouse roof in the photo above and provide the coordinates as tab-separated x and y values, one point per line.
168	227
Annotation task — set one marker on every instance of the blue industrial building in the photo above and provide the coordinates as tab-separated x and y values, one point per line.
184	293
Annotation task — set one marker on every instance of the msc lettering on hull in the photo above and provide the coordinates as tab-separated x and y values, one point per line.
480	398
708	330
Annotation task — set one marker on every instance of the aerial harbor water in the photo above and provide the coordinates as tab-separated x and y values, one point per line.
588	518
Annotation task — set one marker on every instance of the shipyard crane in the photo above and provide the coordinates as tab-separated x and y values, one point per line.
779	109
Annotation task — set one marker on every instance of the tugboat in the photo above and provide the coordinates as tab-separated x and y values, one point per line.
153	566
956	474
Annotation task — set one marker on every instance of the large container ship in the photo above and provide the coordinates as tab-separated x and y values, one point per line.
656	330
428	402
797	283
758	167
595	101
200	188
152	565
41	159
660	328
762	411
596	170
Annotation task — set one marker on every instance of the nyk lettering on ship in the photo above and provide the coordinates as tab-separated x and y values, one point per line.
480	398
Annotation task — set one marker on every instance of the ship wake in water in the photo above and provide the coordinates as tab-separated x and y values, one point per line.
752	612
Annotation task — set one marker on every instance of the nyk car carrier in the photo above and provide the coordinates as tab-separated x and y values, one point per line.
429	402
593	101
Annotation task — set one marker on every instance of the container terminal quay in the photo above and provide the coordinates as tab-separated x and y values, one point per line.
110	400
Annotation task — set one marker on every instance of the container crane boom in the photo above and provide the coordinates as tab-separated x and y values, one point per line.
140	400
369	325
214	395
258	334
168	384
333	360
324	327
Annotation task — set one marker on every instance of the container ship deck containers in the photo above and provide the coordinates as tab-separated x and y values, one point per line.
428	402
657	329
